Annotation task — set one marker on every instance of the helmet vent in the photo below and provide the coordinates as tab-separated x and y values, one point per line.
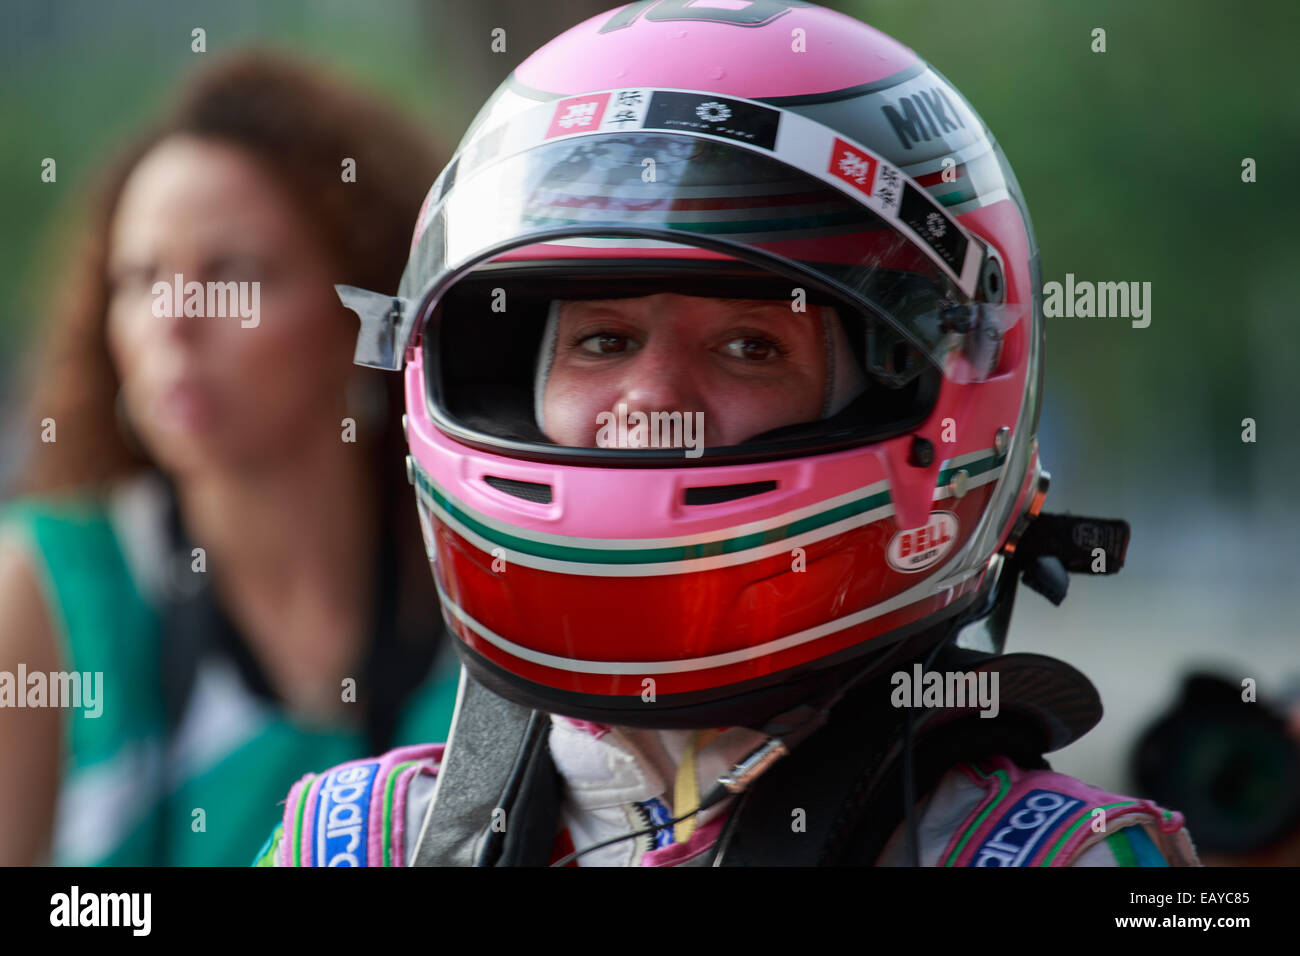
716	494
528	490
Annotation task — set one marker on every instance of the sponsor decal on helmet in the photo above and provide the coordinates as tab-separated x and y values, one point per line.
577	114
713	112
746	122
933	226
923	115
919	548
887	192
629	109
854	166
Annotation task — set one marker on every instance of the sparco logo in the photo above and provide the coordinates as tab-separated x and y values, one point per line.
341	816
919	548
924	115
1018	834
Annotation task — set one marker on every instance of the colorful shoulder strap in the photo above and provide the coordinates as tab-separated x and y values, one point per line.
1044	818
353	814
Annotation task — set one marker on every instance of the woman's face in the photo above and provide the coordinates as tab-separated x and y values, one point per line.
233	390
747	365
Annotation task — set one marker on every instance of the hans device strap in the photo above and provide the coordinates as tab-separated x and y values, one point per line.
486	763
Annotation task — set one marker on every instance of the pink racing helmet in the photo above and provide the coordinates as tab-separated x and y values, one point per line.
781	152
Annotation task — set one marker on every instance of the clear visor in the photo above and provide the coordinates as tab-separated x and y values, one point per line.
586	252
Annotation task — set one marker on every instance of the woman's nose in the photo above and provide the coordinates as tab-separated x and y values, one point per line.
663	378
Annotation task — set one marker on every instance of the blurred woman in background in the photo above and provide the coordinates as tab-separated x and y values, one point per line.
220	524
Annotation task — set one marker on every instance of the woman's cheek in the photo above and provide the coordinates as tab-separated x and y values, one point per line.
278	380
741	413
298	332
130	324
133	346
570	411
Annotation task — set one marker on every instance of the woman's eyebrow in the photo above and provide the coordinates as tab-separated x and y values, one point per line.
748	306
588	311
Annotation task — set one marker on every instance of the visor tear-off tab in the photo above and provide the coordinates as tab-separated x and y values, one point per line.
385	326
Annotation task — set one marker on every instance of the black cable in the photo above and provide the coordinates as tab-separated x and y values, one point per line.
716	795
791	739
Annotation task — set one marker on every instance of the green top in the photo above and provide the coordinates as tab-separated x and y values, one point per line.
133	794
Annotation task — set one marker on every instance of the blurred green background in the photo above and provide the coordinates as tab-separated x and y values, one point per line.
1131	164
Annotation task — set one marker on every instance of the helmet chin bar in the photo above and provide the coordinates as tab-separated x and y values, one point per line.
792	702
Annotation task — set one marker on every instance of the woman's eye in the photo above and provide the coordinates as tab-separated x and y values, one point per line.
751	349
131	280
605	343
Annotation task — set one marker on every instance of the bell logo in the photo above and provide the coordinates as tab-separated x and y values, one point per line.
920	548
